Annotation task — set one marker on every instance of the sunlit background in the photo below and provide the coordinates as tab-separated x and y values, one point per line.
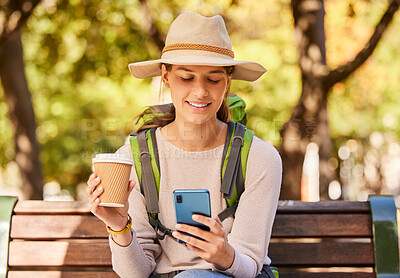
76	55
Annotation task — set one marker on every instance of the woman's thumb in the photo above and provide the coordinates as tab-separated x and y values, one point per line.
131	185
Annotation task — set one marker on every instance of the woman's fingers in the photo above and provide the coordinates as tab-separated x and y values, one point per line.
215	237
206	236
92	183
214	234
94	206
95	194
214	225
190	240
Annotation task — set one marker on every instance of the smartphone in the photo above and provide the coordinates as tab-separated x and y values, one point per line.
189	202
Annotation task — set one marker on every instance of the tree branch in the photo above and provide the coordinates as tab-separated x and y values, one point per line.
151	26
19	12
344	71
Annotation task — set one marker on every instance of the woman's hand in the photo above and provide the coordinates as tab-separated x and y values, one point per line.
214	248
115	218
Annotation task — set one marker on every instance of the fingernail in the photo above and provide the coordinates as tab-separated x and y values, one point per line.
178	226
97	179
97	200
100	188
175	234
194	217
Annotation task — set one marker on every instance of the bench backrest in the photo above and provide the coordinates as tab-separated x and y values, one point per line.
63	239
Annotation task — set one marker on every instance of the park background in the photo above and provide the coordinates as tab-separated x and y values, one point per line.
345	136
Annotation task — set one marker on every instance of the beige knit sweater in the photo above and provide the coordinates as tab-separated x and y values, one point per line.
249	233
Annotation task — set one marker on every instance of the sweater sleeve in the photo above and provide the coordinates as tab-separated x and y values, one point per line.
254	217
139	258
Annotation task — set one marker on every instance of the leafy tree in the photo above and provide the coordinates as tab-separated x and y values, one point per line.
12	75
309	119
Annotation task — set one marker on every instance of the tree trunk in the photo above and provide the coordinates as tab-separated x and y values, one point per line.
308	122
21	115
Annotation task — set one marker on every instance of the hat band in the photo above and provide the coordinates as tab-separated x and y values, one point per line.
197	46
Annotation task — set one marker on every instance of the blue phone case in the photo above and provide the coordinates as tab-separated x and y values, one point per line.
189	202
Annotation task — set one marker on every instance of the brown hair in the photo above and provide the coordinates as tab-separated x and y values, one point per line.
161	115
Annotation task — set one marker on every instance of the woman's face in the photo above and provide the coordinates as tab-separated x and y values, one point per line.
197	91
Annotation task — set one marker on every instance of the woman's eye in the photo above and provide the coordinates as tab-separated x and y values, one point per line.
214	81
186	79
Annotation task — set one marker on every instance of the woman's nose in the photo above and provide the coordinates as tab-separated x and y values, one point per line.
200	88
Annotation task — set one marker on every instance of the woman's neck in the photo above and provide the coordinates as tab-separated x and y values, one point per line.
195	137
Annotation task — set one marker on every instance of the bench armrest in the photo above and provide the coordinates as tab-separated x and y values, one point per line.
7	204
385	236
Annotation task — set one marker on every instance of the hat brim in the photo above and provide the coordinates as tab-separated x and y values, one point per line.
244	70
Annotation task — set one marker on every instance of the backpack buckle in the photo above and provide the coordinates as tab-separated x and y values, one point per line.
162	231
159	235
144	153
238	137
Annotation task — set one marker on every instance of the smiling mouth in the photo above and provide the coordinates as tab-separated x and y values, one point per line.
198	105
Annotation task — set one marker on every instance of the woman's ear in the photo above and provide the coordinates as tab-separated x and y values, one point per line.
164	76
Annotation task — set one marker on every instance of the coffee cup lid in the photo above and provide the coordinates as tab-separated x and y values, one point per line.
112	157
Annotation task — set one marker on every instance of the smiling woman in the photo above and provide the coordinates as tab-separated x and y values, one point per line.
189	142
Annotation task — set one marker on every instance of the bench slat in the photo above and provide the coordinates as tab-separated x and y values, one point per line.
97	253
88	226
322	254
54	227
94	252
322	225
298	207
52	207
63	274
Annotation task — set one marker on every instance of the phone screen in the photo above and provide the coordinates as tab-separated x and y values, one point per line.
189	202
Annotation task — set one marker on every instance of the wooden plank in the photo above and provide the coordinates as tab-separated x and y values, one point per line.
321	254
297	207
52	207
57	226
85	226
63	274
97	252
76	207
94	252
322	225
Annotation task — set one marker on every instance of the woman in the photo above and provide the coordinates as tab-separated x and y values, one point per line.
197	66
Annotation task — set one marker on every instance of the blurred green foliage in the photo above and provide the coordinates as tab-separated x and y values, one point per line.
367	101
85	100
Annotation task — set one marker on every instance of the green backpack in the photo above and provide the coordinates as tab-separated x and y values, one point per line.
233	164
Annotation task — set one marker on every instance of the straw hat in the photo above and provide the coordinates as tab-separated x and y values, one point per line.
197	40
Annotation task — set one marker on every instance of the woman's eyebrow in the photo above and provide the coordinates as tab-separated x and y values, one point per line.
185	69
217	71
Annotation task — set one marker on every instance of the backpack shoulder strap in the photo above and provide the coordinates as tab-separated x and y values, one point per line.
235	155
145	154
231	129
146	167
232	161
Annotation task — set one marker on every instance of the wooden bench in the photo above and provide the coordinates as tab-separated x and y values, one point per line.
323	239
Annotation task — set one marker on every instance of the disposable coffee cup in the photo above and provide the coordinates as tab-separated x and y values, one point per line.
114	171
